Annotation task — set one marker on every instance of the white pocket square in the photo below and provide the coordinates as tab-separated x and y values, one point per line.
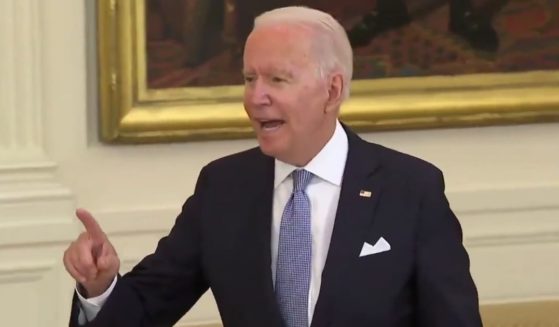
380	246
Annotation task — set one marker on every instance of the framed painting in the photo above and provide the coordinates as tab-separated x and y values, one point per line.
170	70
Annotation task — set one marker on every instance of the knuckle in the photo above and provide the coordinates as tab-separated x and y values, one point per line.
83	237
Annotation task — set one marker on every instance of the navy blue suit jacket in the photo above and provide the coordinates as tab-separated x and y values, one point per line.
221	240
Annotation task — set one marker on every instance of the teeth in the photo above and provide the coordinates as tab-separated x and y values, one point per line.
271	125
269	128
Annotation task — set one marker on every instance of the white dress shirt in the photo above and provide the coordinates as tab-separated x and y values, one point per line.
323	192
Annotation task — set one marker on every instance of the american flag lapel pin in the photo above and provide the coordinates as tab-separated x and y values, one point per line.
365	194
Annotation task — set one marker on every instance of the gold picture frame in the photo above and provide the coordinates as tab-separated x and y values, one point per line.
130	112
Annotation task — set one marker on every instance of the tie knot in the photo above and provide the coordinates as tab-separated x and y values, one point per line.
301	178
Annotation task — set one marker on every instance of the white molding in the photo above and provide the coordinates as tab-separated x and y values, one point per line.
512	215
25	271
123	222
489	216
37	234
21	171
513	197
504	300
34	207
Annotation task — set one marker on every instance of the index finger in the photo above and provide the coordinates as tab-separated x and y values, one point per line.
91	225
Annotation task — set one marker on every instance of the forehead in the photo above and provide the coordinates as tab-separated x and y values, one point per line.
282	46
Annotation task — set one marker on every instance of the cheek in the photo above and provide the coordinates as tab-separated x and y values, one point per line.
248	93
312	103
315	95
302	106
246	97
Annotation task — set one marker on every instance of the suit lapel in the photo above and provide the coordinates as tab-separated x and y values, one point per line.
260	227
353	217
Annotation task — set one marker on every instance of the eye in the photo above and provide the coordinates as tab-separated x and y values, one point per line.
248	79
277	79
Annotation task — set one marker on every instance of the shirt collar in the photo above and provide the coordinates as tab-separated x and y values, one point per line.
328	164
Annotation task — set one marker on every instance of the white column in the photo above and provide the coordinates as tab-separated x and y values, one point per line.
21	133
35	209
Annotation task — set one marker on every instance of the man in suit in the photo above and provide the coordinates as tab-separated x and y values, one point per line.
315	227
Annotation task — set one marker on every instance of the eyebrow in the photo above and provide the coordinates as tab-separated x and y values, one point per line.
282	72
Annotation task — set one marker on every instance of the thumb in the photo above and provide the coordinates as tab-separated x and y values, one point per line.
107	260
103	263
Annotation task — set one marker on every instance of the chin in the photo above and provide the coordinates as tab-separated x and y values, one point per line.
270	148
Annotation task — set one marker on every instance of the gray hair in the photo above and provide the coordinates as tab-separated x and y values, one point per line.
336	53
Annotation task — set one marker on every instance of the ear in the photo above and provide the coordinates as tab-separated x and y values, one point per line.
335	92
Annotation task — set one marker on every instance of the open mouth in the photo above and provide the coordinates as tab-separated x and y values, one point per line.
271	125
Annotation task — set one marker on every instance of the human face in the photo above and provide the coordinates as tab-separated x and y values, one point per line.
287	102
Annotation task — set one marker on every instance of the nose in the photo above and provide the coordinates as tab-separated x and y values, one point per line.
257	94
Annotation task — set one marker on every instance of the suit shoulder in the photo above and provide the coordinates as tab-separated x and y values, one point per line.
404	164
236	162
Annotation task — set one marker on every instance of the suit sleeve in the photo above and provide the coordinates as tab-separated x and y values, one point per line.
164	285
446	293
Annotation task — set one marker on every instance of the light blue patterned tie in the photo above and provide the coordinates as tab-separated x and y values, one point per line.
293	269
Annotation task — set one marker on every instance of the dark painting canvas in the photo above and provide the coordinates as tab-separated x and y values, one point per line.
199	42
